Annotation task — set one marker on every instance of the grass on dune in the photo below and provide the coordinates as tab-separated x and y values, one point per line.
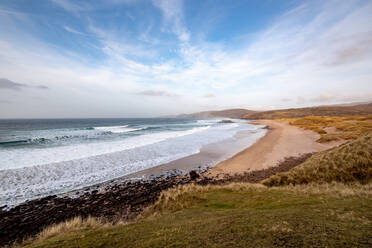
350	162
238	215
346	128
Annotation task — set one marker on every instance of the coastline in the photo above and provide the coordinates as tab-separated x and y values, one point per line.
246	151
125	198
192	152
208	157
281	141
219	151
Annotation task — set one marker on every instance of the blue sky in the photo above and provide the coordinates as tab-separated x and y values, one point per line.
132	58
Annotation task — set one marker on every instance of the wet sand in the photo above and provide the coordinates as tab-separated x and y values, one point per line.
208	156
281	141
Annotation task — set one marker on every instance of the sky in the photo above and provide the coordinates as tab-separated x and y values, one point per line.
143	58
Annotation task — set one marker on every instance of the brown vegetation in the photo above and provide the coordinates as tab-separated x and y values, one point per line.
348	163
334	128
365	109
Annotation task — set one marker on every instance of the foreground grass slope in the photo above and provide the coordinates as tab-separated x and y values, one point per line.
239	215
350	162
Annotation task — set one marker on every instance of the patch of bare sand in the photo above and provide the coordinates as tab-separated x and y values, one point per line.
282	140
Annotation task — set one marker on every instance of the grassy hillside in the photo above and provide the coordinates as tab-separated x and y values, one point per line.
365	109
227	113
238	215
351	162
334	128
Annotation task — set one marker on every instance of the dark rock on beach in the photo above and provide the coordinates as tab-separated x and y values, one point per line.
194	175
226	121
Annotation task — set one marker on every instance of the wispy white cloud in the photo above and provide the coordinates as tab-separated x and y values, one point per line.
11	85
73	6
326	97
209	95
172	11
157	93
71	30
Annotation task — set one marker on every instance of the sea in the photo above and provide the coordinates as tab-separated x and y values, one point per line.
41	157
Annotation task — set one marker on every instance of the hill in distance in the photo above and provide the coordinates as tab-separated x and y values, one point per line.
336	110
227	113
348	109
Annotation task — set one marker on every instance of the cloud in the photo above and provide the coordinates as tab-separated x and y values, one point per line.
301	100
156	93
324	97
328	97
43	87
71	30
8	84
72	6
209	95
84	6
172	11
285	99
351	49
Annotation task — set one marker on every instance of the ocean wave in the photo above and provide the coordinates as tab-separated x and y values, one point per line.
26	158
83	133
14	142
118	129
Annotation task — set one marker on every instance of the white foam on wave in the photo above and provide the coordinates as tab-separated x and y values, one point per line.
137	154
118	129
10	159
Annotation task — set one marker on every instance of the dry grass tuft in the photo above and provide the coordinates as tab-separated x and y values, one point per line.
185	196
69	226
76	223
346	128
351	162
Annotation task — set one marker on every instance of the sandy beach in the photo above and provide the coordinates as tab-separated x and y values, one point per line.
282	140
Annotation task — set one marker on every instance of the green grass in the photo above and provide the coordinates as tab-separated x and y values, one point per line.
239	215
350	162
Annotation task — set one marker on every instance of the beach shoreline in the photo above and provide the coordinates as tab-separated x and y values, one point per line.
281	141
219	151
